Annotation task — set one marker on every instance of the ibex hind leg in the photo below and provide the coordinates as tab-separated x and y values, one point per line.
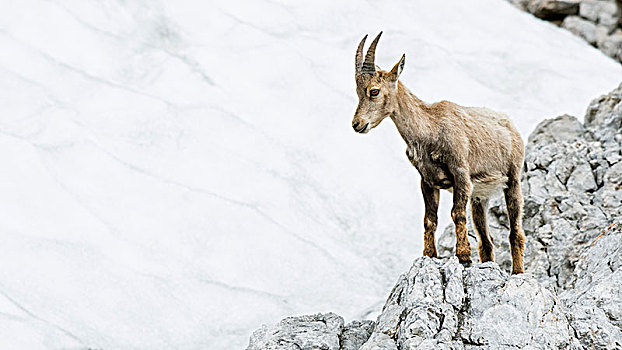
514	202
478	213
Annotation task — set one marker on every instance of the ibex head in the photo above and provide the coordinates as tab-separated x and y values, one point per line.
377	89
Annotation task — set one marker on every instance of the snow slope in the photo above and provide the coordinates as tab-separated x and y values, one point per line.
177	173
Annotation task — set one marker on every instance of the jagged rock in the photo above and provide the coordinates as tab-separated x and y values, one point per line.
595	302
440	305
521	4
320	331
561	129
379	341
581	27
603	117
355	334
600	34
600	12
552	9
612	45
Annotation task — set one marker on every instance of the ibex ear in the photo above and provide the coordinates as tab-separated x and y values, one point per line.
397	69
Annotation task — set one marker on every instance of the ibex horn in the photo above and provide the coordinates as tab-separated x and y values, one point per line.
358	62
369	66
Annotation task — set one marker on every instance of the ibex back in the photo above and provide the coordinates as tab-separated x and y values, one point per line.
469	151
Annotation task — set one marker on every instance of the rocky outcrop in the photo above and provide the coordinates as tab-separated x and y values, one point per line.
320	331
596	21
441	305
571	295
594	296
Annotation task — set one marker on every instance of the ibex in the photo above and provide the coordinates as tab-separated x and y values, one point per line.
467	150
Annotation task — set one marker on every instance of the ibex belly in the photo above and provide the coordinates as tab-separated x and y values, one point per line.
437	175
484	189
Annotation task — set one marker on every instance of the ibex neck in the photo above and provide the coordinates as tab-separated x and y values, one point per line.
411	118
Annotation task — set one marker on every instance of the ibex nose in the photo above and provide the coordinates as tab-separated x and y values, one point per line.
355	125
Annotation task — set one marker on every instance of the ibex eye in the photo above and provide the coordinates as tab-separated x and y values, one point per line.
374	92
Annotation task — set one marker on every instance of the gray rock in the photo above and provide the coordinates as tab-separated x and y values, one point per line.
440	305
612	46
559	129
379	341
320	331
582	178
603	117
355	334
600	12
581	27
600	34
595	302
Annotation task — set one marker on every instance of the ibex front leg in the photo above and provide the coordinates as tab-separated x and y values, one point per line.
462	192
430	198
514	203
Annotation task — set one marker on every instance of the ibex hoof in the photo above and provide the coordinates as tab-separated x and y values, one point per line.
486	257
429	252
465	260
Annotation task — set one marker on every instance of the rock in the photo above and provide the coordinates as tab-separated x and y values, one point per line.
596	298
612	46
600	35
521	4
379	341
581	27
600	12
553	9
355	334
581	178
320	331
440	305
603	118
596	21
562	128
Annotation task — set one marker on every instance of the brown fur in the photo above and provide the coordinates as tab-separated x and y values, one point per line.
467	150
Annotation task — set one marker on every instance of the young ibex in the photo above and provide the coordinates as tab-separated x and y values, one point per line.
472	151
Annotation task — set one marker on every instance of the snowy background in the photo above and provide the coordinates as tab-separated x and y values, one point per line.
174	174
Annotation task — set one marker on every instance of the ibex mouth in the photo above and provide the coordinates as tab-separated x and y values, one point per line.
362	130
